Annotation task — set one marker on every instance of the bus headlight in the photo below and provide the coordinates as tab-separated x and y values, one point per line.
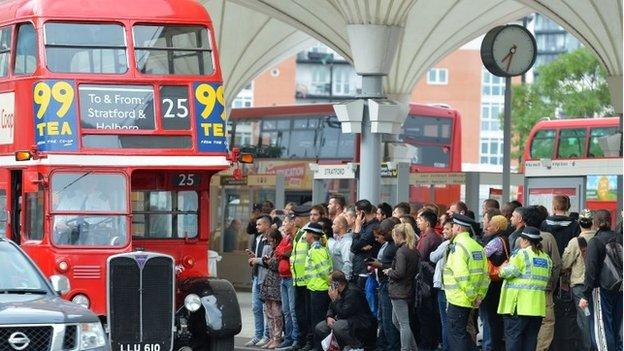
81	300
192	302
91	336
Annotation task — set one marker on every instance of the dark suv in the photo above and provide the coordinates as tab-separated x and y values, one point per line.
32	314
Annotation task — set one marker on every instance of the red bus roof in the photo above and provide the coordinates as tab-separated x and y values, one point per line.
185	10
314	109
576	122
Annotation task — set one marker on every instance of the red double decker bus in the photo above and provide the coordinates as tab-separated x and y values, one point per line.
430	142
577	157
111	126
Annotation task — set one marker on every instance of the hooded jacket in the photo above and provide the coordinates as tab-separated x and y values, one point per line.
563	228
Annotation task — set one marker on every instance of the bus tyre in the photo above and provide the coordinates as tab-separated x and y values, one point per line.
223	343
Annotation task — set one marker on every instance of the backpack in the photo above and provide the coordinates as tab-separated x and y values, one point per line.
611	272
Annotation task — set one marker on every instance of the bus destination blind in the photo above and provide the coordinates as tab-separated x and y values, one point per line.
116	107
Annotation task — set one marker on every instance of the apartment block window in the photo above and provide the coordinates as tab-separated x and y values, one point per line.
342	80
437	76
492	85
320	80
492	151
490	112
244	97
242	101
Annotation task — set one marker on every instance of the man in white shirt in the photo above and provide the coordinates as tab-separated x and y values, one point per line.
340	249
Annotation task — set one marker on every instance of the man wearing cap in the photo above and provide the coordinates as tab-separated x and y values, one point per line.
523	295
297	267
318	266
465	280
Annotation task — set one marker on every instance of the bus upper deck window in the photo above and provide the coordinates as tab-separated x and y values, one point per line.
543	144
5	50
178	50
571	143
596	134
100	48
25	50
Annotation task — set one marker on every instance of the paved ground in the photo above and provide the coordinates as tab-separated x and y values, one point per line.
244	300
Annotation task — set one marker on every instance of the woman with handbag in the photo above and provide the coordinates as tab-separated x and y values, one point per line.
497	252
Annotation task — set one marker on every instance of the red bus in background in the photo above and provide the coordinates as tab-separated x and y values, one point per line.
430	141
577	157
112	123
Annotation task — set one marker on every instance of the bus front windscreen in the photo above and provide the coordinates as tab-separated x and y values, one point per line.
89	209
171	49
98	48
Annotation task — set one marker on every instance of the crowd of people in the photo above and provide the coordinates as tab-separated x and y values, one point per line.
421	277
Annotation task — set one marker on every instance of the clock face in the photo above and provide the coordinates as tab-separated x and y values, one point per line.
508	51
513	50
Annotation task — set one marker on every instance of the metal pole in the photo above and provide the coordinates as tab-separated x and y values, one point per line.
318	191
280	191
507	141
370	145
619	182
402	180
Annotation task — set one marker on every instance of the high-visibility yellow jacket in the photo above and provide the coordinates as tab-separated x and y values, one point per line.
298	258
526	278
318	266
465	275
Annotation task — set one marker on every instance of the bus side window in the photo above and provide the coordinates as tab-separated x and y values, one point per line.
5	50
571	143
543	144
25	50
3	213
33	220
595	150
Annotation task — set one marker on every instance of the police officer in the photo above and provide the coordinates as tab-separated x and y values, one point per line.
318	266
523	296
297	268
465	280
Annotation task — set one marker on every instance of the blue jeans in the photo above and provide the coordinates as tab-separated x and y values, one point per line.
443	319
261	328
291	330
390	332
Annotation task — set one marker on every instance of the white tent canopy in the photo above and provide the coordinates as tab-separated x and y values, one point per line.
253	35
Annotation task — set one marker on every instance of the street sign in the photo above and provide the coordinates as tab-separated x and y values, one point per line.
437	178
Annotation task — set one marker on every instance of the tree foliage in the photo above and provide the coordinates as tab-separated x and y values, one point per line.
573	85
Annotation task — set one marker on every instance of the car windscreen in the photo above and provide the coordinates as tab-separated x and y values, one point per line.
18	273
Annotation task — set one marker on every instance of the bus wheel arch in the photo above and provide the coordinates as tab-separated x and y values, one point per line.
217	320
